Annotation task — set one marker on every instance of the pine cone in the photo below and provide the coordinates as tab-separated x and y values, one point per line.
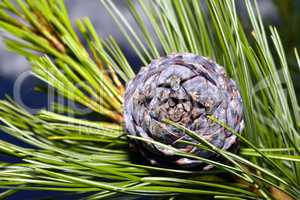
183	88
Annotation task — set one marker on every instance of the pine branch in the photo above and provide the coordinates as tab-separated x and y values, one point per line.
81	156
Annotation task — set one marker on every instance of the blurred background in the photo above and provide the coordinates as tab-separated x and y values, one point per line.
284	14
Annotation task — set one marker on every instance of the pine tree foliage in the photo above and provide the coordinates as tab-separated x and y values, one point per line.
80	156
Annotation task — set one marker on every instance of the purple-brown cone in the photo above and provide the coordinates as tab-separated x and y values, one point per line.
183	88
